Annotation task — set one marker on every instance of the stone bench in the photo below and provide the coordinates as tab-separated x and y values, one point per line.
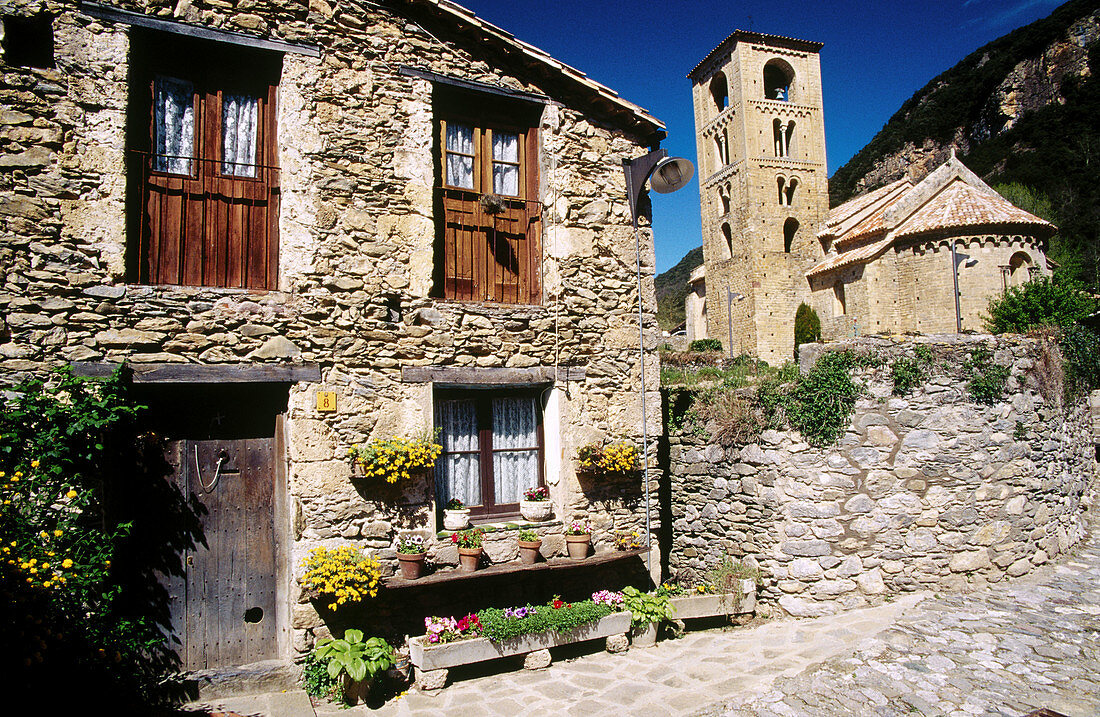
433	661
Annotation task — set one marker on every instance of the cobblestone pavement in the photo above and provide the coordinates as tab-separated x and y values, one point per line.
1006	650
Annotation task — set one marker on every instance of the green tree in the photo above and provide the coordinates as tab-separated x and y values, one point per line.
807	326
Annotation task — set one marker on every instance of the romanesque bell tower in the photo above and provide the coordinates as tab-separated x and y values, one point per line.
760	138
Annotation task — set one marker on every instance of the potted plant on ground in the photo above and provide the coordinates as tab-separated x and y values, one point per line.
355	661
469	547
410	555
529	545
647	611
578	536
536	504
456	515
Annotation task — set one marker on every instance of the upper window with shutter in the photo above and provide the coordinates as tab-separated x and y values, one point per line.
203	176
490	231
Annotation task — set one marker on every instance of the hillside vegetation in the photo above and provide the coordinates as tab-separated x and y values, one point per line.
672	289
1021	111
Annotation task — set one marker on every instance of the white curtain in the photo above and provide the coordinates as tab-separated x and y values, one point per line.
240	115
459	474
506	164
173	125
460	169
514	427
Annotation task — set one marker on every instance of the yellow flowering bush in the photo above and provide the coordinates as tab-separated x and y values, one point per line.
395	459
614	459
343	574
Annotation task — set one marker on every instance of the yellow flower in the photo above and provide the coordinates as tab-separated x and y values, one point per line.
71	494
66	563
34	464
57	533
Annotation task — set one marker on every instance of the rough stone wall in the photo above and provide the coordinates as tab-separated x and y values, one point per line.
925	491
356	232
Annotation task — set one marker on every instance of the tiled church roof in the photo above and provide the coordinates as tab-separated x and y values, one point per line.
951	197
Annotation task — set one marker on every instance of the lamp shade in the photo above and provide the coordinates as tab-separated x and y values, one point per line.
671	174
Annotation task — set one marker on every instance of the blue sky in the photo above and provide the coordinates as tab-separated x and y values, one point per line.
876	55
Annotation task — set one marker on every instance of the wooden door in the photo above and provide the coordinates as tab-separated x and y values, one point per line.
223	606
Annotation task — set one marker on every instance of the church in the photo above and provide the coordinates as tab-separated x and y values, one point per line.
922	254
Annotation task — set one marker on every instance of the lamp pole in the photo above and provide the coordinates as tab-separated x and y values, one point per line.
670	175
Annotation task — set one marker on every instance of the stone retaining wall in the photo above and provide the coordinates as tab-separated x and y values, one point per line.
925	491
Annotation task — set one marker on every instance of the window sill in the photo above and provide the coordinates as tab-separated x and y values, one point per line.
451	574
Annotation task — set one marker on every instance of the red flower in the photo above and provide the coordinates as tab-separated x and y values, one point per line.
454	537
558	604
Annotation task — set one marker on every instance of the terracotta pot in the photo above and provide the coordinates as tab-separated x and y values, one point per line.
578	545
354	691
456	519
468	558
412	564
529	551
536	510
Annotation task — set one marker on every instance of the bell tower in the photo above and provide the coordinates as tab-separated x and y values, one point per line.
760	140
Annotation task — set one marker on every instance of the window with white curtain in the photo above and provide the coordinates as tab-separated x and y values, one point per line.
240	114
173	125
492	448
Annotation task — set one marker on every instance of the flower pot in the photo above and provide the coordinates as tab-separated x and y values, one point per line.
355	691
578	545
529	551
536	510
468	558
412	564
456	519
645	635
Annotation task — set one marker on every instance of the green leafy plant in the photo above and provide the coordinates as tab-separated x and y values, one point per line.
316	680
469	538
907	374
705	345
557	616
822	401
807	326
725	579
63	608
528	535
355	656
646	607
1043	301
987	379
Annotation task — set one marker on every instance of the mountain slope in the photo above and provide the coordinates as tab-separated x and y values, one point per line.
1022	111
672	289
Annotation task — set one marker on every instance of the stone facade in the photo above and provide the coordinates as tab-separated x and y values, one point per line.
925	491
357	231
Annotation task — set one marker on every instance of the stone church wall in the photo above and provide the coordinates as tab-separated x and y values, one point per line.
925	491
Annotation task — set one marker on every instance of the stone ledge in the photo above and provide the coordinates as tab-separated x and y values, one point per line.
440	657
513	567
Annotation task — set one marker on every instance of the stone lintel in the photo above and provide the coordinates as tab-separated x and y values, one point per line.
462	376
194	373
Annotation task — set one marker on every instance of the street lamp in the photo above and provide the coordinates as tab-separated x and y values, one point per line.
731	296
665	174
958	260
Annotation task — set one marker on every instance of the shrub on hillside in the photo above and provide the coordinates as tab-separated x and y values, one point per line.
1044	301
705	345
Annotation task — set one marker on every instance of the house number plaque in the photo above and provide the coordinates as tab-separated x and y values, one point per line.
326	401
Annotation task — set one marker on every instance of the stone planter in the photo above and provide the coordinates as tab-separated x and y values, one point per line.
536	510
468	558
529	551
456	519
412	565
428	658
578	545
691	606
645	635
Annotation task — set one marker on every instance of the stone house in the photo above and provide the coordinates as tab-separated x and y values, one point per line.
306	226
879	263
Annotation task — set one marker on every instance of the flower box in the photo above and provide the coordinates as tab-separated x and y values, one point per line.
426	656
692	606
